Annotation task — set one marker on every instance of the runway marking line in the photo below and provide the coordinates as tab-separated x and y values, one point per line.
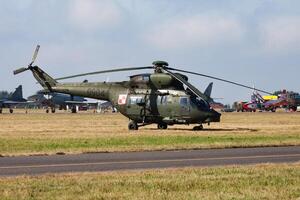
149	161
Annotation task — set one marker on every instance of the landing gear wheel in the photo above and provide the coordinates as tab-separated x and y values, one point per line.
198	128
73	110
162	126
0	110
53	110
11	110
47	110
133	125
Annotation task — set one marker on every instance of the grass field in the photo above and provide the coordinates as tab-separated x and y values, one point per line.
267	181
40	133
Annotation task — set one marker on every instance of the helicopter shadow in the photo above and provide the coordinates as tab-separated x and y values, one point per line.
209	129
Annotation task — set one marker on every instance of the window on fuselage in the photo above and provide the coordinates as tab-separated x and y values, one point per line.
135	100
146	78
183	101
162	100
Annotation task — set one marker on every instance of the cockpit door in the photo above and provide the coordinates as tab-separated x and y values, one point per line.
135	105
184	105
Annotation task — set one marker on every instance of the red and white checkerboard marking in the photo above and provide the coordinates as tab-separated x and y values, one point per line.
122	99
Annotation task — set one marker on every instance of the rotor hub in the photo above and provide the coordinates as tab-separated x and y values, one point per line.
159	65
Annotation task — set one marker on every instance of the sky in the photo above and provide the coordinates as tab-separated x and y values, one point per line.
253	42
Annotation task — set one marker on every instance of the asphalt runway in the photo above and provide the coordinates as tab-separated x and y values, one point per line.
96	162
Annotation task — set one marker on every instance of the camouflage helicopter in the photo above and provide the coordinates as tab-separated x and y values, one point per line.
163	97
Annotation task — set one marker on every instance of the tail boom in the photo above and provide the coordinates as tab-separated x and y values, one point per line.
46	81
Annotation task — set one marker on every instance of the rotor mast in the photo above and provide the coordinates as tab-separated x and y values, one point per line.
159	66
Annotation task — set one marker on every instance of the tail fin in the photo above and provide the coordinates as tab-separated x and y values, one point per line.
42	77
17	95
46	81
208	90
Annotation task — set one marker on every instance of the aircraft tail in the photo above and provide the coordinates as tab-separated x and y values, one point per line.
46	81
208	90
17	95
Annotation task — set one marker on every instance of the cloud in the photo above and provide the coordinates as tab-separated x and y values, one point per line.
89	15
280	34
195	31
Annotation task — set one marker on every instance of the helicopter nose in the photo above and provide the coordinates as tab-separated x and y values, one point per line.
214	116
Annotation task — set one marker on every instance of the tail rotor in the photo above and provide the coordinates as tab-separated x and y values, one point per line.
23	69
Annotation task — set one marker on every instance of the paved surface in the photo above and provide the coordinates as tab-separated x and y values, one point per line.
32	165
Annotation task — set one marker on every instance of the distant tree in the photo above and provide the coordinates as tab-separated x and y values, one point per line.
227	106
3	94
277	92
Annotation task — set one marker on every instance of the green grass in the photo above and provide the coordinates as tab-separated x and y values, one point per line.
140	142
272	181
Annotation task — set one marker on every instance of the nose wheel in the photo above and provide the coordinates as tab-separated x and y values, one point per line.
133	126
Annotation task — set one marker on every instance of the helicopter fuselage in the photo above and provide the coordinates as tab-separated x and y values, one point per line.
146	105
162	97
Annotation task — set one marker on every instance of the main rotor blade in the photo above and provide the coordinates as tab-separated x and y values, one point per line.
190	86
106	71
20	70
219	79
35	54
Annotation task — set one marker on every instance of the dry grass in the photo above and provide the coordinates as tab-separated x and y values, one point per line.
271	181
37	132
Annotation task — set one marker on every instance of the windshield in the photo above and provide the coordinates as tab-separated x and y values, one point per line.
199	103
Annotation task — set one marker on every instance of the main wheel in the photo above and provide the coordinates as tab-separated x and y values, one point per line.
53	110
47	110
133	125
73	110
162	126
0	110
11	110
198	128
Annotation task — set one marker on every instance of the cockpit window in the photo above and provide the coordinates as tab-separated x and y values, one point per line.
199	103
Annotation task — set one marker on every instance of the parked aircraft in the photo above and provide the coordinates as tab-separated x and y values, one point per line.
213	104
164	97
62	101
13	99
285	99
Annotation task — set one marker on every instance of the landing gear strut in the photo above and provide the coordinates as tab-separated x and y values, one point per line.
53	110
198	128
133	125
74	110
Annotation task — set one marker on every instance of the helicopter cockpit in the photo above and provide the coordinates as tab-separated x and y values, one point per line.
199	103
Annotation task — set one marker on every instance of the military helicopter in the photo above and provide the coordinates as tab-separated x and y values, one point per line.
163	97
